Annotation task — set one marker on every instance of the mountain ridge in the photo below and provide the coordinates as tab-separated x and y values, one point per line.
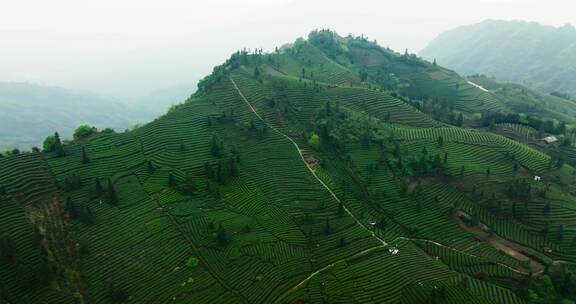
524	52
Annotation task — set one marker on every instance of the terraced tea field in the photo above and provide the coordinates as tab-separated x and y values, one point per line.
293	177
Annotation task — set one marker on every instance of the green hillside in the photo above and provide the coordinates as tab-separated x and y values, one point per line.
329	171
539	56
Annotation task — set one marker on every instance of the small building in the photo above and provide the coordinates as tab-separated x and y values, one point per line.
537	178
312	161
550	139
393	250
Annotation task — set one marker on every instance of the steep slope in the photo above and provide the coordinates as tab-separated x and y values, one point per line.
293	177
539	56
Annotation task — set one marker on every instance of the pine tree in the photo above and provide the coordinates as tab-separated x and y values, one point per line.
219	174
171	180
573	242
98	187
465	282
187	186
340	209
234	169
222	237
58	148
112	195
327	228
85	158
216	146
70	208
72	182
547	208
85	215
209	171
7	249
460	120
560	233
328	108
381	223
116	293
150	168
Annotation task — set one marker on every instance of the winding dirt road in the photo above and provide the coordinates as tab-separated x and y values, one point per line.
507	248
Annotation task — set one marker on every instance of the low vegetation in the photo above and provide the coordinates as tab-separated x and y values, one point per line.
331	170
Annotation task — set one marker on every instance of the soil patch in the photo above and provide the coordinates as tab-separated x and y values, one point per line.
515	250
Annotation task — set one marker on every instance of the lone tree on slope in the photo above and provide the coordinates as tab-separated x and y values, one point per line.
171	180
85	158
112	195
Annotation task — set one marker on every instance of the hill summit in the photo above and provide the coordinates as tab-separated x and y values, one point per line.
330	170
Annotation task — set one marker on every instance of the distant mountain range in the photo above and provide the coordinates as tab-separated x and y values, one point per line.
29	112
543	57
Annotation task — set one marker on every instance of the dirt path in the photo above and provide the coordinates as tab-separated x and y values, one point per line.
384	243
423	181
478	86
311	170
515	250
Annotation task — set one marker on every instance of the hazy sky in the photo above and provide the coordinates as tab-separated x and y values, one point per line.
125	48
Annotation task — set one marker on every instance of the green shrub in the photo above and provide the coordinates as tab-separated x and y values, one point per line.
49	143
84	131
314	141
192	262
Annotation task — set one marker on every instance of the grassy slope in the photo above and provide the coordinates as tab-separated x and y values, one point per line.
275	212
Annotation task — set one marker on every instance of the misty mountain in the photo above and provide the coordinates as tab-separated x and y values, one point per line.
150	106
536	55
30	112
